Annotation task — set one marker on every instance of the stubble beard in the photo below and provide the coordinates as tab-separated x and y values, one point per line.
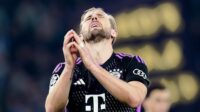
96	35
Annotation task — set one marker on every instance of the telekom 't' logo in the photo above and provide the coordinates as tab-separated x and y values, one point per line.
95	99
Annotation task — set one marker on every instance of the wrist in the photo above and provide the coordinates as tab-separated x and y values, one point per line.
68	71
92	67
68	67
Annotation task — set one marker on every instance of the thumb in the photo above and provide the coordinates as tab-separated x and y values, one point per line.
74	55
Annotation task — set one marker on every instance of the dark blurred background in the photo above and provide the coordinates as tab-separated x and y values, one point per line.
165	33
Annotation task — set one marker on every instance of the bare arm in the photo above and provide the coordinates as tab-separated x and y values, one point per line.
132	93
57	98
58	94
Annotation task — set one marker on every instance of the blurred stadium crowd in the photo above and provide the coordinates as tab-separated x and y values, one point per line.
31	35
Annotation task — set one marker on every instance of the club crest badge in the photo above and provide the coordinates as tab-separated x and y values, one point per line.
116	72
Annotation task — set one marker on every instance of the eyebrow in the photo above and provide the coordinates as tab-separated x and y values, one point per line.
89	16
98	14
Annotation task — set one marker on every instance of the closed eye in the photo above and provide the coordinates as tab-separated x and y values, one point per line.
88	18
100	15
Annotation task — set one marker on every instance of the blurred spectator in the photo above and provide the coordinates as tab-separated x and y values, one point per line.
157	99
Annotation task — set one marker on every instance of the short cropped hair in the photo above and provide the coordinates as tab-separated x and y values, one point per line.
155	86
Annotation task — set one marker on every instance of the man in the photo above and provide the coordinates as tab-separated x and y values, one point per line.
158	99
99	80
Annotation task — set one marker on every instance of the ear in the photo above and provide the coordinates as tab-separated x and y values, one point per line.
113	33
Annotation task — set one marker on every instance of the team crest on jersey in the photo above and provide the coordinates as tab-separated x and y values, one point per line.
116	72
54	79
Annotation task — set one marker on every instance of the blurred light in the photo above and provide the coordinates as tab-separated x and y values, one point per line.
148	20
188	85
150	55
183	87
145	22
170	16
170	58
125	50
173	88
134	27
123	32
172	55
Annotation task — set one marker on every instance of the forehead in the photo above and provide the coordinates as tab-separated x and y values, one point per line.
160	94
95	11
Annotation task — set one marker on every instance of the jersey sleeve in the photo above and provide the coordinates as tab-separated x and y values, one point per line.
137	71
55	75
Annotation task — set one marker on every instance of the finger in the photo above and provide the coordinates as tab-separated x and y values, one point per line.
68	36
72	48
74	56
77	46
69	32
69	45
76	37
81	45
80	49
67	40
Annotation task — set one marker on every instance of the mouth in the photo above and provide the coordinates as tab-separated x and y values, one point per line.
95	24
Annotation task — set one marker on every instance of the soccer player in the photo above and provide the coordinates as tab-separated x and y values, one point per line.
158	99
99	80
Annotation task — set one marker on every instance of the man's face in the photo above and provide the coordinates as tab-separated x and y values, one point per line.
95	26
159	101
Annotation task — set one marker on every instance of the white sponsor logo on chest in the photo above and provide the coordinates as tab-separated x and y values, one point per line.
95	99
139	73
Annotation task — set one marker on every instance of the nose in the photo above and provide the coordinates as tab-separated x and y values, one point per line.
94	18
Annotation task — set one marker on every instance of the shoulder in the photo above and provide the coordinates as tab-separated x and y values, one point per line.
129	57
58	71
60	66
136	69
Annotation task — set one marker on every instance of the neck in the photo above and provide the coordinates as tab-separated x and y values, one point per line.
100	51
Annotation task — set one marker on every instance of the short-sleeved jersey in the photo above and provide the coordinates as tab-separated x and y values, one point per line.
88	95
